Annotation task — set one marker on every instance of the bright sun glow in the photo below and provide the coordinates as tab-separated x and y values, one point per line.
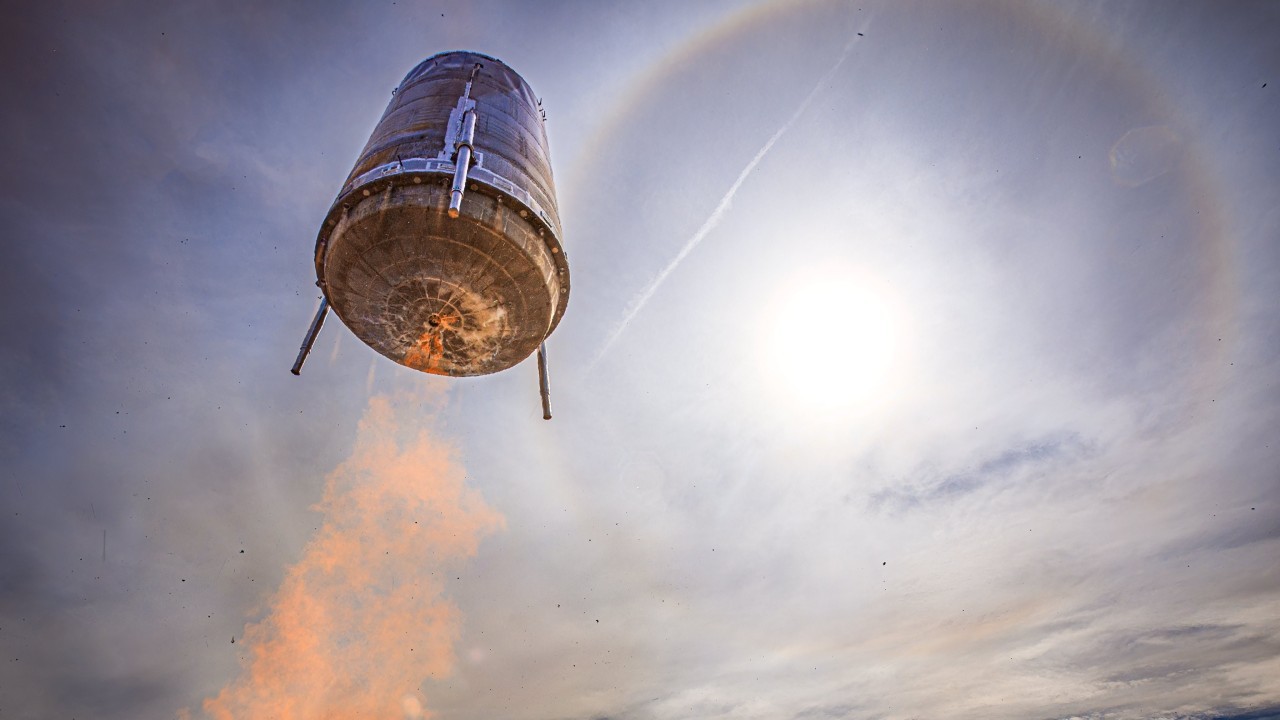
833	339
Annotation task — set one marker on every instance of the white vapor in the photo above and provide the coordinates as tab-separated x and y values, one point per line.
721	208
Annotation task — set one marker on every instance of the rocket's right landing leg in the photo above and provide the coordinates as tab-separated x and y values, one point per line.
544	387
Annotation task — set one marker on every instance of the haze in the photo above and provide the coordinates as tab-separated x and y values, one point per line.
920	362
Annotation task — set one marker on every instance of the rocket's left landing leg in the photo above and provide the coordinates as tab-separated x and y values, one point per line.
310	339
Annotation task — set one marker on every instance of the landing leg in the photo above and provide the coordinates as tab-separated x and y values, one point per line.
543	386
310	339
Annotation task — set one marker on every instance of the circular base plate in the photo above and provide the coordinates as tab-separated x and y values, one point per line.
450	296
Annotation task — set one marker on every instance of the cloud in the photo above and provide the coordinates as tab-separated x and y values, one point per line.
1023	461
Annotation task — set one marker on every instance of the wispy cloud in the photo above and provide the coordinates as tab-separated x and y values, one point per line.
1016	461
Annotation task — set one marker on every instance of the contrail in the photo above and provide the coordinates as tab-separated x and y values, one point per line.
721	208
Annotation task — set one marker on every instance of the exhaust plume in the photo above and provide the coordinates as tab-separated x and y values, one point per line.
360	620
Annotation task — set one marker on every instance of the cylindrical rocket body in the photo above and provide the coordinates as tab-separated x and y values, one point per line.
465	295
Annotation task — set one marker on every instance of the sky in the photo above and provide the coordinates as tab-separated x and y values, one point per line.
922	360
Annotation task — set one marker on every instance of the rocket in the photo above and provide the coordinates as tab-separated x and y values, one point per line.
442	251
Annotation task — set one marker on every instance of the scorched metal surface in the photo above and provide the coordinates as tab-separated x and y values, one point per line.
442	251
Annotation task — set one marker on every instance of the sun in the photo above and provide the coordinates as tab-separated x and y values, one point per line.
833	339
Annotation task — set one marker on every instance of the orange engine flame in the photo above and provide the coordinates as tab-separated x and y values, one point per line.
429	351
360	620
